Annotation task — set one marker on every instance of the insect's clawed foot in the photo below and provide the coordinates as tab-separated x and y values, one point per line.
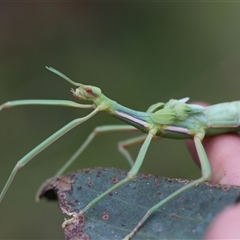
78	219
130	235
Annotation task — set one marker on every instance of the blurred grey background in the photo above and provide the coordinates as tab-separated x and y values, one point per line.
137	53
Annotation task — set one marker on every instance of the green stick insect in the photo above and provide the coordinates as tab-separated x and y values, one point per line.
175	119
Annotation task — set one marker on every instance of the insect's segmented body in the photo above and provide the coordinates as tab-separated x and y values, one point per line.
211	120
174	119
223	117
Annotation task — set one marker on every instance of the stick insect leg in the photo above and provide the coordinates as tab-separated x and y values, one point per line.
42	146
131	175
124	145
95	132
206	173
65	103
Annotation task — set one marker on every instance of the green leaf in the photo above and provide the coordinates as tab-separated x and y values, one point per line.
185	217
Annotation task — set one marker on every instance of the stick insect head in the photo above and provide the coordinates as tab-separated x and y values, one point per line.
87	93
82	92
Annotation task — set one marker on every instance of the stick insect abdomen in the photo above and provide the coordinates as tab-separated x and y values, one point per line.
222	118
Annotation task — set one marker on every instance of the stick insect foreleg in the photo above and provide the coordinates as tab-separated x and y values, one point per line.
42	146
206	174
65	103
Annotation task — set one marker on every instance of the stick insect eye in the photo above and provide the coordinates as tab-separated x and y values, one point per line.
92	91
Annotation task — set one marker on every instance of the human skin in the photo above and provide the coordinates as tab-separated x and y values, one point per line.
223	152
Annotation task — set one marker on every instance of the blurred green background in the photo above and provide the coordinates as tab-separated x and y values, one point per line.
137	53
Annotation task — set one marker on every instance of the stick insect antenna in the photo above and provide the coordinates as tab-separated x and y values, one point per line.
63	76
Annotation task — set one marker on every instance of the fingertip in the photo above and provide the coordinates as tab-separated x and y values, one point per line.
225	225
